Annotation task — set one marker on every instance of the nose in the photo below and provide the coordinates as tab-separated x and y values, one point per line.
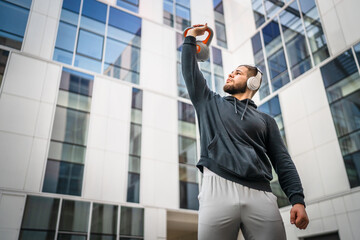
231	74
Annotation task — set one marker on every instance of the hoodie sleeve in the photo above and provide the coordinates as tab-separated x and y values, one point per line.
194	80
284	166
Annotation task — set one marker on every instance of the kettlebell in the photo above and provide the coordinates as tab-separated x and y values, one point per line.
202	47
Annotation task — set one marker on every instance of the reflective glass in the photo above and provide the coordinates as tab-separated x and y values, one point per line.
137	98
338	69
36	234
74	216
3	60
135	139
186	112
132	221
259	13
219	84
271	107
188	173
74	101
217	56
346	114
70	126
168	13
76	82
66	152
275	55
69	17
352	164
125	21
188	195
102	237
66	37
272	7
72	5
205	66
133	190
218	6
40	213
132	5
122	55
182	17
92	25
64	178
357	51
314	30
87	63
90	44
67	236
136	116
187	150
134	164
344	87
121	73
104	218
12	32
351	143
294	36
63	56
187	129
95	10
220	33
185	3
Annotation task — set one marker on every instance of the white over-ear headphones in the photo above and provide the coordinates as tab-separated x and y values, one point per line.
253	83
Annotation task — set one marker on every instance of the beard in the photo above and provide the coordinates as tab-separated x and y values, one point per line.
235	88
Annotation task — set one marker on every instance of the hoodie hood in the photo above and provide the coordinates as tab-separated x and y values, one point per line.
248	102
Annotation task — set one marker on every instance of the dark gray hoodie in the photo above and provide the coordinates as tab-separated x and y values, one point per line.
238	142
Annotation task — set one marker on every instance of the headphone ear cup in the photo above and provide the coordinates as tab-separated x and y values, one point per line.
253	83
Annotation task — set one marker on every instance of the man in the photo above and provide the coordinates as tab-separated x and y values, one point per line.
238	147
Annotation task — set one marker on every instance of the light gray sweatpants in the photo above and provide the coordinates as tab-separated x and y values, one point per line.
226	207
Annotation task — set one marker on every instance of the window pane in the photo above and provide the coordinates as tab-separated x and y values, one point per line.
133	190
104	218
134	164
220	31
74	216
12	32
137	98
3	60
70	126
72	5
125	21
275	54
187	150
188	173
92	25
69	17
63	177
66	236
74	101
124	36
129	5
357	51
87	63
36	234
186	112
344	87
62	56
136	116
352	164
272	7
40	213
188	195
294	35
182	17
217	56
102	237
66	37
76	82
350	143
95	10
90	44
259	13
187	129
121	73
135	139
66	152
132	221
314	30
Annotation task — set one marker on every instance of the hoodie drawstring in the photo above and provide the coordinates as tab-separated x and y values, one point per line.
235	105
242	116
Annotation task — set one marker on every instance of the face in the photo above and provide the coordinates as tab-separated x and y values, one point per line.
236	82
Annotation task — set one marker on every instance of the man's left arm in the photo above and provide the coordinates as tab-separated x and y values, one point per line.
288	176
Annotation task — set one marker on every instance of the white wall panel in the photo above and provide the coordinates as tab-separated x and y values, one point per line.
349	17
11	211
203	12
152	9
94	173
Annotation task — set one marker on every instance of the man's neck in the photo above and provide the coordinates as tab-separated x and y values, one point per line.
242	96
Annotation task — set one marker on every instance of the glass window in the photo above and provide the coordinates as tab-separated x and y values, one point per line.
220	23
186	112
104	219
295	41
169	13
125	21
132	221
187	129
76	82
12	32
70	126
259	13
66	152
182	17
64	178
314	30
74	101
133	191
187	150
275	55
132	5
72	5
66	37
188	195
3	60
90	44
74	216
272	7
95	10
40	214
135	139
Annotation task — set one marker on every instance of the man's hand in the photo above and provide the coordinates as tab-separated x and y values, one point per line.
197	30
298	216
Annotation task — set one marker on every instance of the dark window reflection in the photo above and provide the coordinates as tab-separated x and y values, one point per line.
74	216
220	23
188	195
186	112
12	32
3	60
259	13
133	192
104	219
275	55
132	222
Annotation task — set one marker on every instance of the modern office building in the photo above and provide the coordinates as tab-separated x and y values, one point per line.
99	140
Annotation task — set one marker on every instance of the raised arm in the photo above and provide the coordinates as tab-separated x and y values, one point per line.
194	80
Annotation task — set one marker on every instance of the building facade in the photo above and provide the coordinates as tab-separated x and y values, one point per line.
98	137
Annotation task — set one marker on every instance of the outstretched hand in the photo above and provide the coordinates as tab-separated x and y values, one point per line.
298	216
197	30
